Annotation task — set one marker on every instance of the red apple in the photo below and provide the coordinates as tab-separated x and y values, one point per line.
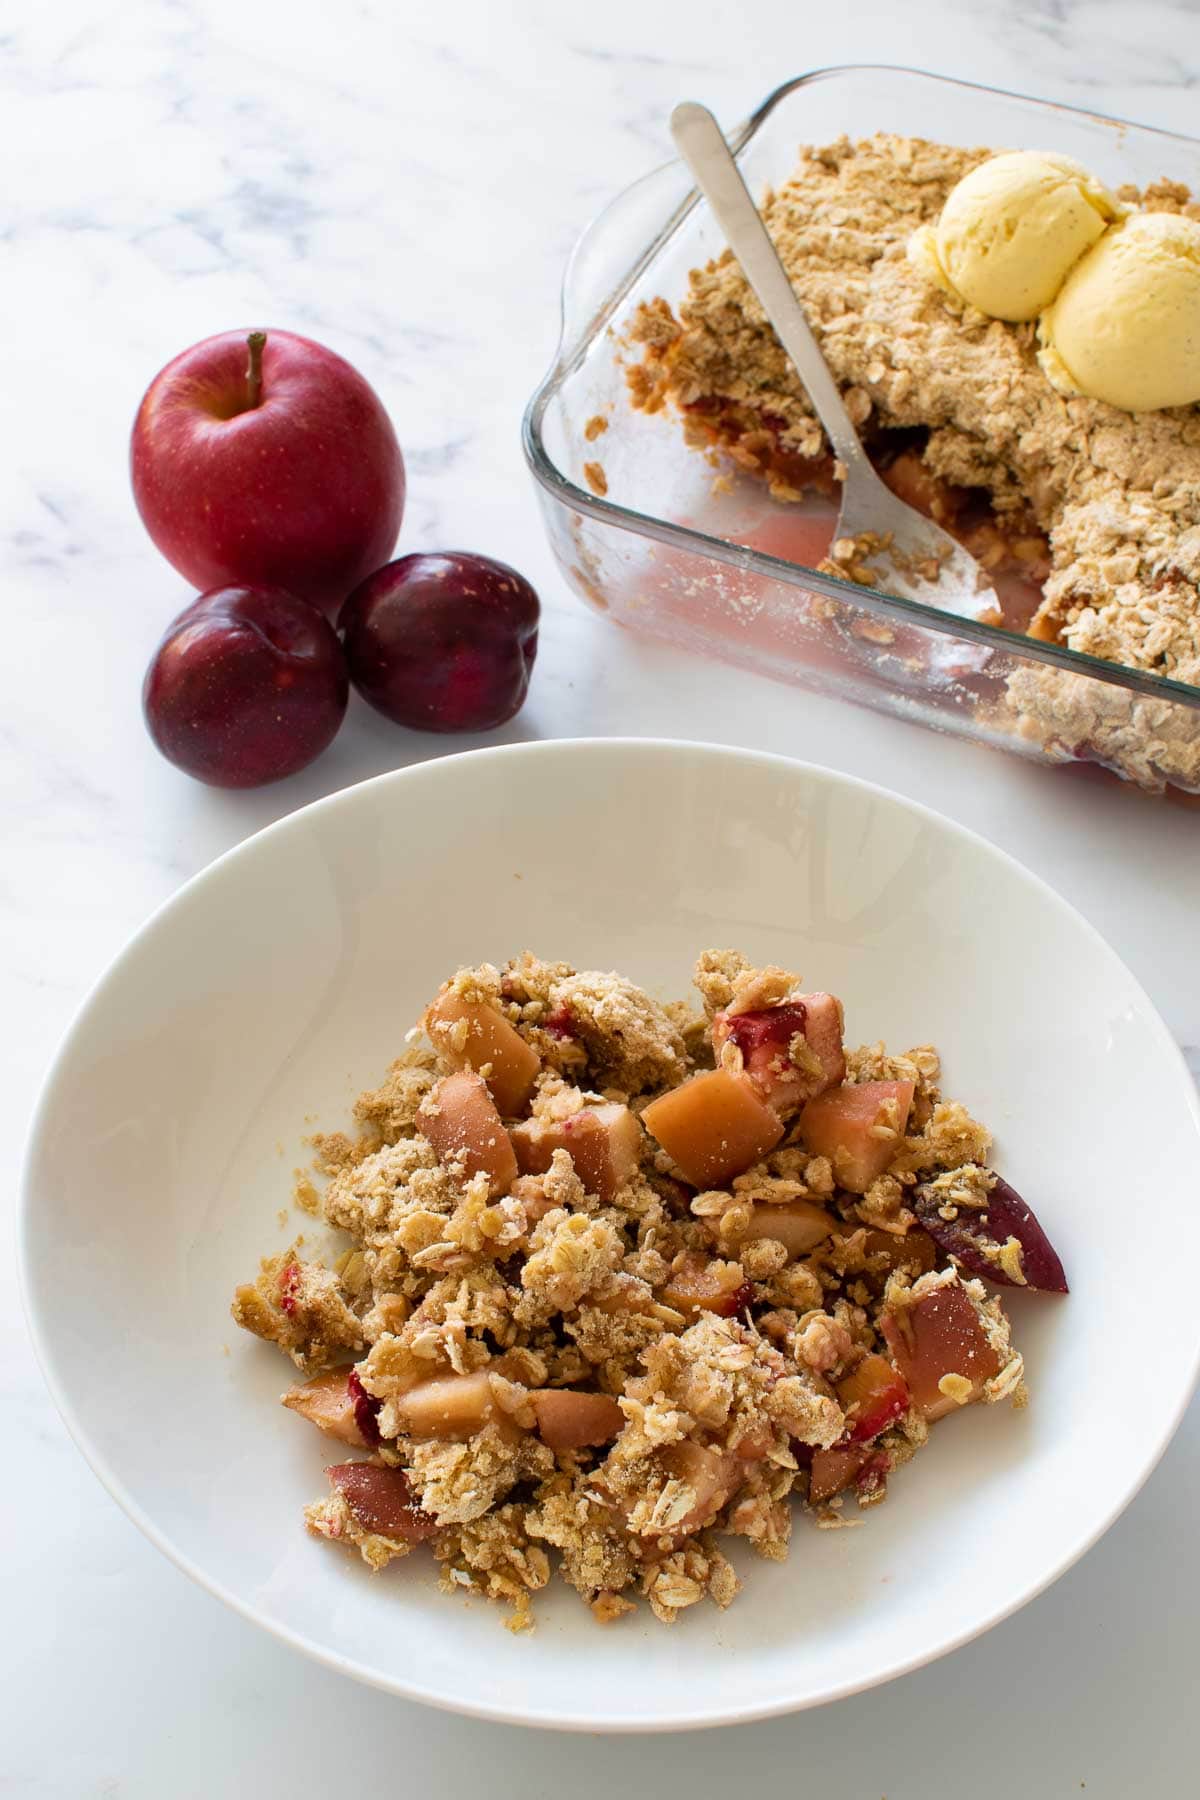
442	642
248	685
263	458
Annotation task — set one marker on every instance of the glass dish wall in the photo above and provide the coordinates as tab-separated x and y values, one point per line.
644	536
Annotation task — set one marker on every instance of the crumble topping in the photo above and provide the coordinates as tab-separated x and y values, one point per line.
1116	495
588	1362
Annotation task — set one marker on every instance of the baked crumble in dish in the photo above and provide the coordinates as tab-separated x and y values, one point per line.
1096	511
623	1280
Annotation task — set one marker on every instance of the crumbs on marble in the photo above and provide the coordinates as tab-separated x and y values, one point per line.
597	480
282	1217
595	425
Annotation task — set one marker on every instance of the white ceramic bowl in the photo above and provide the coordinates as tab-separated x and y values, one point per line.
280	982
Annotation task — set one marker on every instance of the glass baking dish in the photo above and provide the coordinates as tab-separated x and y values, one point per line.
644	534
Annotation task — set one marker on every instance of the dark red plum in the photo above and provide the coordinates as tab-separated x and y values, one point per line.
972	1234
442	642
247	686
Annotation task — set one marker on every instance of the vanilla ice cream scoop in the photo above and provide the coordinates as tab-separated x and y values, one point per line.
1126	326
1011	230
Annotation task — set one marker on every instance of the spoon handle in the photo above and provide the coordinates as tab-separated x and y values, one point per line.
699	141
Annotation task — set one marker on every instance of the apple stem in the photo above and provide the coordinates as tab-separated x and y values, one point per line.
254	344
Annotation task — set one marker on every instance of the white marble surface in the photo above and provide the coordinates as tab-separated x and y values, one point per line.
404	182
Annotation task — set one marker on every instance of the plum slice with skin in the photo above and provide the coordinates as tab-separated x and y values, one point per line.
976	1237
858	1126
941	1349
765	1036
381	1500
460	1120
713	1126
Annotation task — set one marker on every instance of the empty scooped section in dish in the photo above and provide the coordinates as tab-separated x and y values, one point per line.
763	623
1014	552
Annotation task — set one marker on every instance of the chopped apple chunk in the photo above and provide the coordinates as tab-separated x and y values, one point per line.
832	1470
711	1477
941	1349
765	1037
381	1500
472	1035
858	1127
603	1142
460	1120
864	1465
698	1283
570	1420
327	1403
887	1251
796	1224
873	1396
454	1407
826	1022
713	1127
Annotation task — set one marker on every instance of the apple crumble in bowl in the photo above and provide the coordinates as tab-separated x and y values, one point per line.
625	1279
279	985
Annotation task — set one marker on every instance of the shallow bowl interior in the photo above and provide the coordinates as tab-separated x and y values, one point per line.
281	981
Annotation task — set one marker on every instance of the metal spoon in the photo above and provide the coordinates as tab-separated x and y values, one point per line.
923	562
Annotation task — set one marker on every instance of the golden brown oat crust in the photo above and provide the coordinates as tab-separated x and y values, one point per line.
1117	494
461	1307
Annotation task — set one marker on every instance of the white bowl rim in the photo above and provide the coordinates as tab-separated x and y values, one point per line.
413	1690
